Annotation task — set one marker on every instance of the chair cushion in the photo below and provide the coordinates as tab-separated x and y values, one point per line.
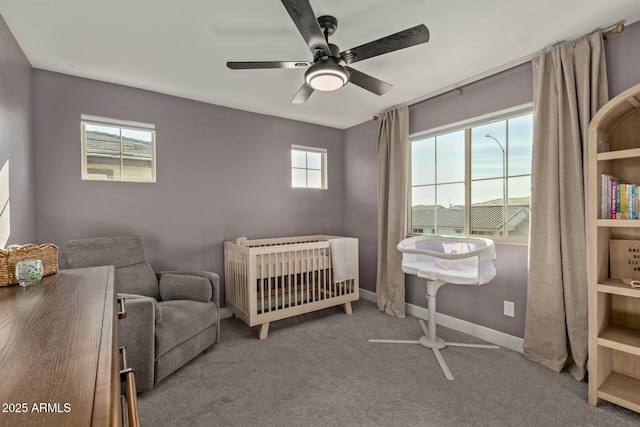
137	279
181	320
181	286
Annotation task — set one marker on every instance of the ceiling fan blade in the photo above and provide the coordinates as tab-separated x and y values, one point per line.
365	81
303	94
254	65
407	38
305	19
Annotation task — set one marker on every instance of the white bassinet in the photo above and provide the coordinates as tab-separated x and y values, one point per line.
441	260
461	260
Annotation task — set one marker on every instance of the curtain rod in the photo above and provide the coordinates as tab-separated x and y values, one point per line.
495	71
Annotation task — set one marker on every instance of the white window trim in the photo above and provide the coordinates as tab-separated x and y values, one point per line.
86	119
323	151
465	125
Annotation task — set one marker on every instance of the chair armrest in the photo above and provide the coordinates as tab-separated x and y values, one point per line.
215	289
156	307
137	332
214	279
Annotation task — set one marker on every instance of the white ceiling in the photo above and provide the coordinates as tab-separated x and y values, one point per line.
181	47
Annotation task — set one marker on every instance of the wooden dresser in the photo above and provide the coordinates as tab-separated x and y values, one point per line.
59	357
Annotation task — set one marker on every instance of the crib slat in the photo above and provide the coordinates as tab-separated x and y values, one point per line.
258	284
269	282
308	277
330	273
241	284
290	278
294	281
251	287
295	278
245	293
321	276
304	277
327	273
278	283
313	275
316	277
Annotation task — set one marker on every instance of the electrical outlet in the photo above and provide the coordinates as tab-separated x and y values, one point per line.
509	309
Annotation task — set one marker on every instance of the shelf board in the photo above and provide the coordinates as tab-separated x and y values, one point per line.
621	390
632	223
616	287
621	338
619	154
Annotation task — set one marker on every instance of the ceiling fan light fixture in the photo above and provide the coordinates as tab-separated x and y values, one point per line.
326	76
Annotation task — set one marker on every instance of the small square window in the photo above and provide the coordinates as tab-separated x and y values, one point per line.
114	150
308	167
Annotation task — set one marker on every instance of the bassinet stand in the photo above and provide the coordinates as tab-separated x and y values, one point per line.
434	282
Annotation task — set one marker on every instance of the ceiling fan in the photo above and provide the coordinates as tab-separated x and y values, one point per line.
329	69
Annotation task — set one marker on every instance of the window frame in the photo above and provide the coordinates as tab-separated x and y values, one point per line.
466	126
121	124
323	166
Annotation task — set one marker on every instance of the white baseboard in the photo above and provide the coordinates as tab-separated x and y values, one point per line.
481	332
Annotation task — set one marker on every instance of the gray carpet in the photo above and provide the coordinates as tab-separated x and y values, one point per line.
319	369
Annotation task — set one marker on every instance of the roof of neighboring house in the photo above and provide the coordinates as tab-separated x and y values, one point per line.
482	217
101	141
513	201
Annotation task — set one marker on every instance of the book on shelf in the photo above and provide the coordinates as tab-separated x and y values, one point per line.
619	200
622	197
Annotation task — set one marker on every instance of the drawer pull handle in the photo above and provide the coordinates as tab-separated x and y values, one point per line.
122	314
123	355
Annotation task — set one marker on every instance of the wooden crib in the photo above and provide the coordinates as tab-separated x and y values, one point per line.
273	279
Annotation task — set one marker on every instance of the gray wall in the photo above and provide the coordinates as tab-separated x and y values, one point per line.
221	174
481	305
623	60
17	219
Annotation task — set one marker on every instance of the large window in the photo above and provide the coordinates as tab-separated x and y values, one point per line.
474	178
308	167
115	150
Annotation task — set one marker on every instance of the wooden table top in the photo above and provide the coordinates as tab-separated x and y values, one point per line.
53	339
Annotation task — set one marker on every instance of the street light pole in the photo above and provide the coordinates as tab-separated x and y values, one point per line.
504	185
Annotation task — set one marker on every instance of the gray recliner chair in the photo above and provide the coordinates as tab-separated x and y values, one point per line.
172	316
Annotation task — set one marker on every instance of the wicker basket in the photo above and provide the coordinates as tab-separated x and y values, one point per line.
9	257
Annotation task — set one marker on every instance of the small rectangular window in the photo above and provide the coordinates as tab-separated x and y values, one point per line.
116	150
308	167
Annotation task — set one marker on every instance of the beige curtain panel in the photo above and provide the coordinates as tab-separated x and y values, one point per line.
393	172
570	86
